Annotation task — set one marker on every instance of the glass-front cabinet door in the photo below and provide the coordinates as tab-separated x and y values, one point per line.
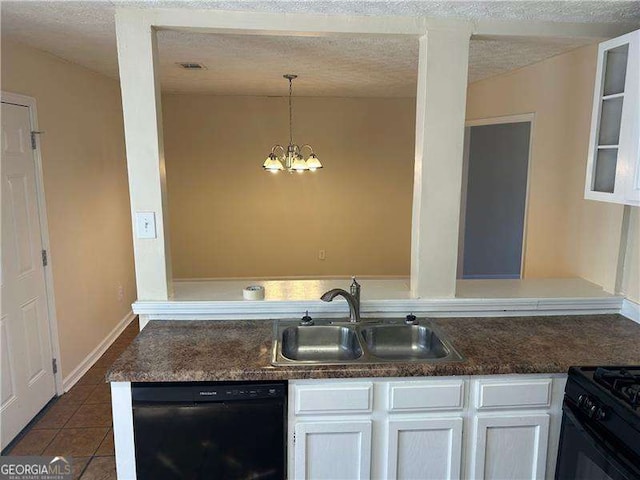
613	172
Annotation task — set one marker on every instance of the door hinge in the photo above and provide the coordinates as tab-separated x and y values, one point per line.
294	438
34	145
45	259
54	364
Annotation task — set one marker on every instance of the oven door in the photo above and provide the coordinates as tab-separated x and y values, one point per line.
585	454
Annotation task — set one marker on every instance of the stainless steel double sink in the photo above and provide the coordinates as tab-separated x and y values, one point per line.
368	341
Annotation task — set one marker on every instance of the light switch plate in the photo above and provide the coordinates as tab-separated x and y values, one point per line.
145	224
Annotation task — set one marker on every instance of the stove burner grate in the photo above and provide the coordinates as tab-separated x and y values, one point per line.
622	383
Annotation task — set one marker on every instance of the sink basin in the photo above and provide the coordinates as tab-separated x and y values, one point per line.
328	343
371	341
400	342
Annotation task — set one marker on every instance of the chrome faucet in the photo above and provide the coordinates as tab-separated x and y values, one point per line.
353	299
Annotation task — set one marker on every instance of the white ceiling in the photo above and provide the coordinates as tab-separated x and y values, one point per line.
84	33
326	66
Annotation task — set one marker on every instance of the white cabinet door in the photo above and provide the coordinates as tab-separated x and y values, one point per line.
510	446
613	165
424	449
333	450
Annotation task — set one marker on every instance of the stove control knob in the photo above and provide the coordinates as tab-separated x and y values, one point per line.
600	414
593	410
582	400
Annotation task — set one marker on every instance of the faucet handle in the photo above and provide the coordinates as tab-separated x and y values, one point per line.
354	289
306	320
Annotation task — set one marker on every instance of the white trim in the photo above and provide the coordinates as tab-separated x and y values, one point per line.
463	199
458	307
259	23
631	310
490	29
77	373
30	103
122	413
290	24
532	128
518	118
290	277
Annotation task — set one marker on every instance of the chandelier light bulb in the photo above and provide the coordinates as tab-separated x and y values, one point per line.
272	164
313	163
298	164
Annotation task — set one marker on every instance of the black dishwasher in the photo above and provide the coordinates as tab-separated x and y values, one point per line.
212	430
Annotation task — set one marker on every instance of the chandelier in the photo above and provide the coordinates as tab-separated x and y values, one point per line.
291	158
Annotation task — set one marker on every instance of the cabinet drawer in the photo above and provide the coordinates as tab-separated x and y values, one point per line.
514	394
424	396
348	398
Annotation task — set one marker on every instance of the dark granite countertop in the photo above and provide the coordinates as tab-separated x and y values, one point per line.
241	350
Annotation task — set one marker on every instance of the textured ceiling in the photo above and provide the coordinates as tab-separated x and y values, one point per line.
83	32
326	66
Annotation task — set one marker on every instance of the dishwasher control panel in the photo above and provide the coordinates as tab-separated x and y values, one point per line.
221	393
200	392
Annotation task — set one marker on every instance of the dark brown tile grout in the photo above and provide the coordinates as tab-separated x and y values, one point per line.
101	365
84	469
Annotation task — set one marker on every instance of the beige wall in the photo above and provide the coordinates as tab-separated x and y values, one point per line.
630	286
566	235
86	193
229	218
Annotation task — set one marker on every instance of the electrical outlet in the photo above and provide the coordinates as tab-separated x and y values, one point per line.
322	254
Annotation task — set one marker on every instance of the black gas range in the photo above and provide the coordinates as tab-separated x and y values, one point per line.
600	437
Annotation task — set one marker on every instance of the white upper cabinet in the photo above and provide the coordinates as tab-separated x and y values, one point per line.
613	166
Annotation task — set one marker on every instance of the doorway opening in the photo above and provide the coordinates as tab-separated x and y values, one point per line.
494	197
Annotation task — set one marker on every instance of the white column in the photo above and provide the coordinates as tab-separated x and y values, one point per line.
137	54
440	116
122	414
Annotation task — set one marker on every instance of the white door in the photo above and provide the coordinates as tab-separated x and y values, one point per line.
25	342
509	447
423	449
333	450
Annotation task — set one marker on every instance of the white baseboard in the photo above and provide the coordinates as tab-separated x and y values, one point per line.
77	373
631	310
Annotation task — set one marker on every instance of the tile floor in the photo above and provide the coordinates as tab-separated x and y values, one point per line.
78	423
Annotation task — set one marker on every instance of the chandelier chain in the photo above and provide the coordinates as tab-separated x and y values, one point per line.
290	112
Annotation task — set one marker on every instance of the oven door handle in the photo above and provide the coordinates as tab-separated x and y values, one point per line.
599	443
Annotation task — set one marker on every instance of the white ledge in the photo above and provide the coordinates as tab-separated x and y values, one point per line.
219	299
